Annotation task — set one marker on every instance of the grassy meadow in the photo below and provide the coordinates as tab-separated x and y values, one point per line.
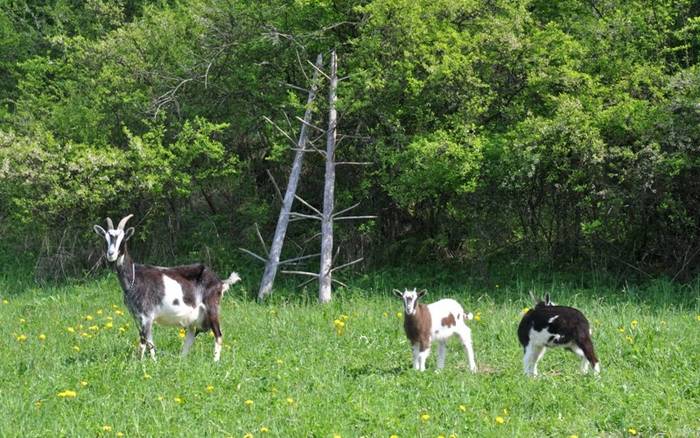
68	365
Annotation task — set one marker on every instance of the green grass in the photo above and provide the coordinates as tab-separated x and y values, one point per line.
306	380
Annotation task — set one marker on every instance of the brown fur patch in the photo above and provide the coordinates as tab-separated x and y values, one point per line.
417	327
448	321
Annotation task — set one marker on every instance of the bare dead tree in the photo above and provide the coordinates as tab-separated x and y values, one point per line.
273	257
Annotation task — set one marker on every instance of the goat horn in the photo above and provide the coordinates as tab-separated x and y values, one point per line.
110	224
123	222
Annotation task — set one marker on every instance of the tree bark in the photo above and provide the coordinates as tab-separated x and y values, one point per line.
325	273
273	259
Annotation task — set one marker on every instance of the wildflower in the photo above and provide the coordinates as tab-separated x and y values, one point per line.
107	428
22	338
210	388
248	435
399	314
477	317
634	323
344	317
336	435
248	402
89	318
70	329
573	436
621	329
5	302
526	309
115	307
83	383
99	311
290	400
339	326
181	333
120	434
109	325
393	436
462	408
109	318
279	361
119	312
76	348
122	329
179	400
161	398
632	431
37	403
500	420
94	328
425	417
441	436
698	317
147	376
505	411
67	394
22	320
264	429
629	339
385	315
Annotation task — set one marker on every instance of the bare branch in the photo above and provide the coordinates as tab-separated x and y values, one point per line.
312	274
274	183
345	210
304	216
321	72
343	218
287	84
340	283
251	253
296	259
267	119
354	163
310	124
347	264
300	199
262	241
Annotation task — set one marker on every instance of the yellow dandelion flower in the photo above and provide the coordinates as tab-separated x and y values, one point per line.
621	329
107	428
290	400
89	318
109	325
109	318
425	417
37	403
67	394
147	376
248	402
94	328
122	329
22	320
99	311
399	314
500	420
179	400
385	314
120	434
76	348
21	338
634	323
344	317
119	312
181	333
42	337
441	436
210	388
629	339
114	306
161	398
462	408
5	302
393	436
525	309
83	383
632	431
279	361
70	329
573	436
477	317
248	435
264	429
505	411
698	318
336	435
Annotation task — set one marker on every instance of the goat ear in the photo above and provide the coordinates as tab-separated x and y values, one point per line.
128	233
547	301
99	230
422	292
398	293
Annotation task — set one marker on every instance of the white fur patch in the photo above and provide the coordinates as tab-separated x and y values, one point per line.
550	320
179	314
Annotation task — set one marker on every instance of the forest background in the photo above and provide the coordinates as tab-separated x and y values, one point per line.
563	135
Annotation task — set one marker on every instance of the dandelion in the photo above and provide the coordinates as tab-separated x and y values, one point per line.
115	307
477	317
573	436
181	333
179	400
505	411
109	325
441	436
83	383
264	429
629	339
344	318
147	376
122	329
109	318
698	318
500	420
393	436
5	302
120	434
119	312
462	408
621	329
248	403
37	403
425	417
107	428
525	309
339	326
290	400
632	431
76	348
399	315
21	338
386	314
67	394
248	435
99	311
22	320
279	361
89	318
94	328
210	388
336	435
634	323
70	329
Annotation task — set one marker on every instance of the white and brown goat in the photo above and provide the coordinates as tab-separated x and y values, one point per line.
549	325
437	321
183	296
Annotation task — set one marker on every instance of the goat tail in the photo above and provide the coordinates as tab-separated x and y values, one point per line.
468	316
232	279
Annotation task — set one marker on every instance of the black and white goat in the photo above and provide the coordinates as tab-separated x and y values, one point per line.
184	296
549	325
437	321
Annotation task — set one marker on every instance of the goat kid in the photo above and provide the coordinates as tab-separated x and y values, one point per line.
437	321
183	296
549	325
